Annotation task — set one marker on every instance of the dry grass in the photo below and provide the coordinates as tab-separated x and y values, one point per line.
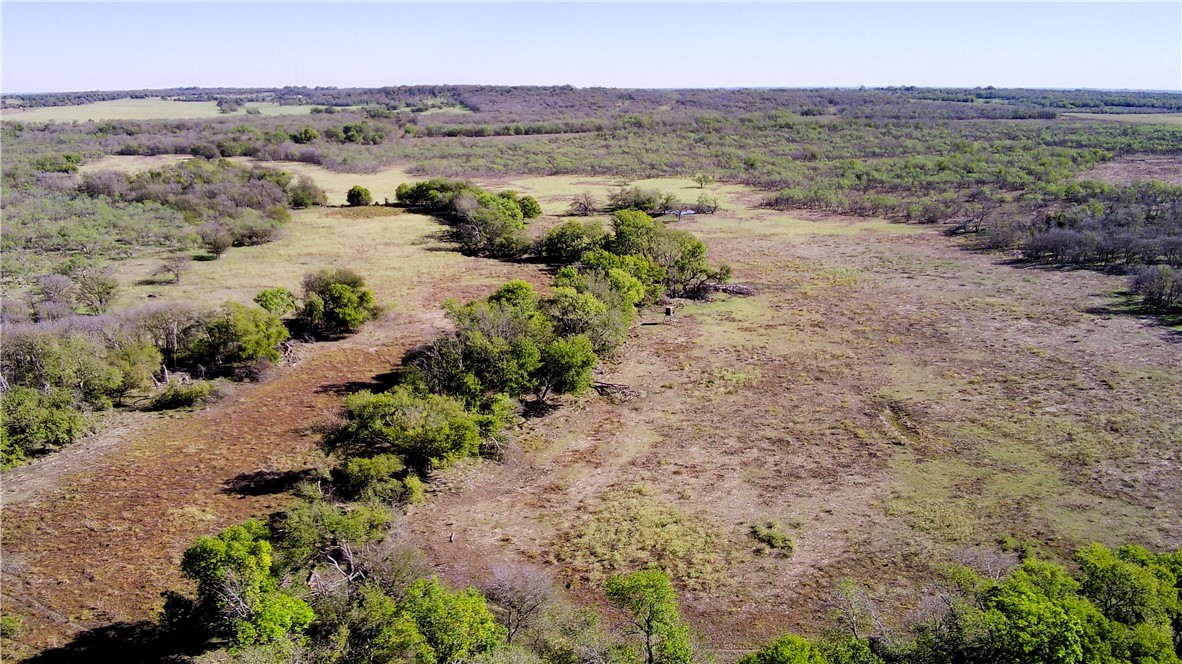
142	109
1136	118
885	398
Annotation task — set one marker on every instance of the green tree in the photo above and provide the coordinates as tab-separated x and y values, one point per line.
136	362
530	208
336	302
1123	589
788	649
568	241
306	135
238	334
566	366
276	301
358	195
702	179
648	600
424	431
456	626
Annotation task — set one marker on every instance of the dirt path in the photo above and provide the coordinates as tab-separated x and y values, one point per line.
94	534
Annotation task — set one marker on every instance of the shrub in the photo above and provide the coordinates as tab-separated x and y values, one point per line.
530	208
10	626
305	193
358	195
276	301
185	395
423	431
1160	286
770	535
584	205
568	241
336	302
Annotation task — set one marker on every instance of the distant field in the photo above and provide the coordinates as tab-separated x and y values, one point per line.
142	109
1136	118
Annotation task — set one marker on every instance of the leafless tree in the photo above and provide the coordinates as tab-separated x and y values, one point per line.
584	205
522	592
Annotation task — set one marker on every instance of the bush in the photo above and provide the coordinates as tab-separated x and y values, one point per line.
306	193
358	195
770	535
276	301
36	422
336	302
1160	286
568	241
530	208
422	431
185	395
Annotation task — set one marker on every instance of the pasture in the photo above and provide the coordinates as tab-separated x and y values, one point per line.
886	399
142	109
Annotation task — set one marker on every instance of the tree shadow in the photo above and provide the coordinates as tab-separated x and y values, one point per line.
141	642
265	482
379	383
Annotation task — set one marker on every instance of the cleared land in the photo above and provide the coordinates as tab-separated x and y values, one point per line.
1137	168
142	109
1136	118
886	399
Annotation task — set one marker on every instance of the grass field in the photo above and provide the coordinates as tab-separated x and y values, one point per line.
886	399
1137	118
142	109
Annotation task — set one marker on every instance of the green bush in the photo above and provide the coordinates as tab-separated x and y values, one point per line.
358	195
35	422
10	626
276	301
567	242
770	535
185	395
336	302
530	208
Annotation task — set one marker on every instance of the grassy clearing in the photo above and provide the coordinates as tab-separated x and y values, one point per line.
632	528
143	109
1136	118
398	255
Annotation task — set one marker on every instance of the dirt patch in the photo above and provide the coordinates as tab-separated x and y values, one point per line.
1137	168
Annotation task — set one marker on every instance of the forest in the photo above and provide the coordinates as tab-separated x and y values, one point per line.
330	577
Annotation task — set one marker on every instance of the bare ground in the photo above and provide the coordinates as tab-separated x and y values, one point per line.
1137	168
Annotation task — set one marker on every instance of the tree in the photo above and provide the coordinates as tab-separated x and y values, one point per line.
216	237
530	208
136	362
568	241
276	301
236	335
788	649
456	626
336	302
423	431
584	205
97	288
522	593
235	587
305	193
648	600
174	267
358	195
1124	590
306	135
702	179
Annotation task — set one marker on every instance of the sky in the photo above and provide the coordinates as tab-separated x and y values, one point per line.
122	46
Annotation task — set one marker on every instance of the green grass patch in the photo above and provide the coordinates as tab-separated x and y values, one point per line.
633	528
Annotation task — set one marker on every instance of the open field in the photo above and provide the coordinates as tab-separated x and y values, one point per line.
1174	119
886	399
142	109
1129	169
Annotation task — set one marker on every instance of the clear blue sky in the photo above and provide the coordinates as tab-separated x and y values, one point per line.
93	46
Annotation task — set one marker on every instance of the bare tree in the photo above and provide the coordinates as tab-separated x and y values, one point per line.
173	267
522	592
584	205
